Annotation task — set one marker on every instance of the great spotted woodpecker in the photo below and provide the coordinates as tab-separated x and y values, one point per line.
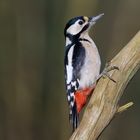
82	64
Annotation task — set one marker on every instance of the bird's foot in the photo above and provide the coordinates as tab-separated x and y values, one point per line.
107	69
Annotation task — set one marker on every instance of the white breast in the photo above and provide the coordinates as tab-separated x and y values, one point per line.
91	67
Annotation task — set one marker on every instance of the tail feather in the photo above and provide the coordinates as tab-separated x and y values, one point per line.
74	117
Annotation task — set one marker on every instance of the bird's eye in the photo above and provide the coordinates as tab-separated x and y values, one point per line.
80	22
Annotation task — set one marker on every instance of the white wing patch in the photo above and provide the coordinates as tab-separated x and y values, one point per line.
69	67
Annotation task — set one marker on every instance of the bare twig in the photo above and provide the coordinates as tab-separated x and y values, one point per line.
124	107
103	104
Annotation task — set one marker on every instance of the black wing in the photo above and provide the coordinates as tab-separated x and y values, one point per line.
77	56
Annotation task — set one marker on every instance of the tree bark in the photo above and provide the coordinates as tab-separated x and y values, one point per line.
103	104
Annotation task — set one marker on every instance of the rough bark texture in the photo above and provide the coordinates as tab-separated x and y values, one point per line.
103	104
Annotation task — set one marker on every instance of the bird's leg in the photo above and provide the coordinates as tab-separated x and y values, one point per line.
107	69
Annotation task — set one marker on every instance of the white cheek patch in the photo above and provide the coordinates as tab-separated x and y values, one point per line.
69	67
75	28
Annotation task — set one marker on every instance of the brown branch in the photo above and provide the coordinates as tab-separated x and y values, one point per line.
103	104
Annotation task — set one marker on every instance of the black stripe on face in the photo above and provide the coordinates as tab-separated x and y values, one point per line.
83	39
84	28
74	38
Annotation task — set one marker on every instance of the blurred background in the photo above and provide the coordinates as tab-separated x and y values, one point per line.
33	103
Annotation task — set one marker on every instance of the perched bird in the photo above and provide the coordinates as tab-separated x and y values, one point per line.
82	64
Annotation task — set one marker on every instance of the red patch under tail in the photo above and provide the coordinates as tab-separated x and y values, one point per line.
81	97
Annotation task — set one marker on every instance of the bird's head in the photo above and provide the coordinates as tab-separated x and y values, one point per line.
79	25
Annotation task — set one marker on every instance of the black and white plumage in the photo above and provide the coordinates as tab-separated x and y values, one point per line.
82	61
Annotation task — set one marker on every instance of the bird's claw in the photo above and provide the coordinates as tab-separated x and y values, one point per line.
107	69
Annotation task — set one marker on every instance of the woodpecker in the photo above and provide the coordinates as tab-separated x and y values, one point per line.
82	64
